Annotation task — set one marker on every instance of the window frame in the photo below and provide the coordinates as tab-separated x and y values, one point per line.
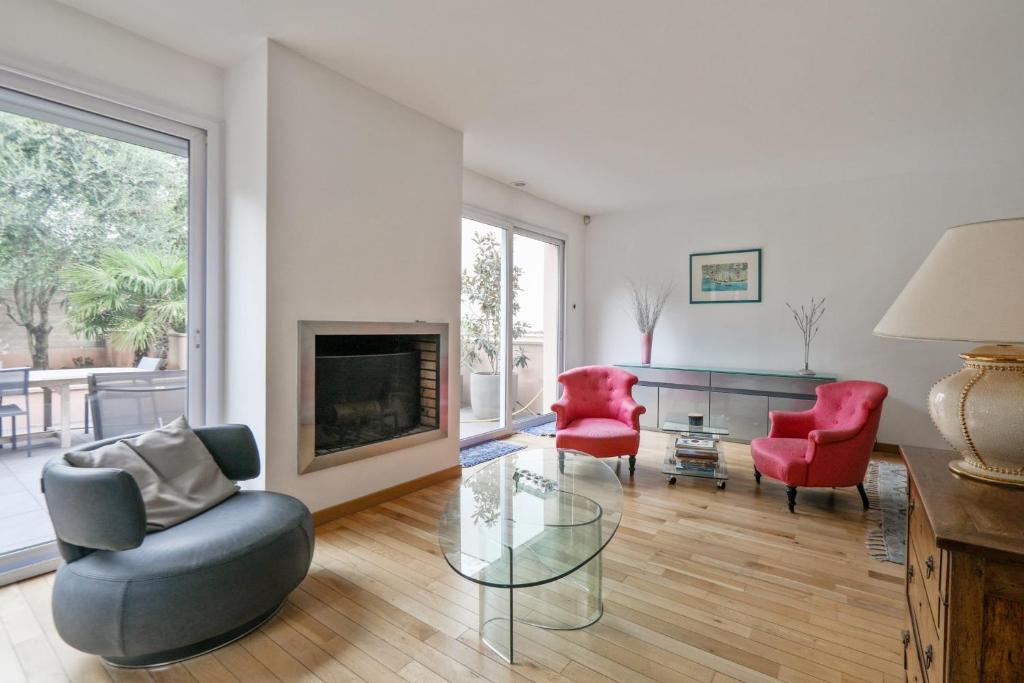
511	227
102	116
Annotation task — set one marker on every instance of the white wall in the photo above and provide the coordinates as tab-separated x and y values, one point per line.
363	224
482	192
48	40
245	247
855	243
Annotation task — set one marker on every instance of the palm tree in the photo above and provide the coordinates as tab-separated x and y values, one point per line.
132	298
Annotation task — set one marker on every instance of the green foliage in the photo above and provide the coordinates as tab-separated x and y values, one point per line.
67	196
481	324
133	298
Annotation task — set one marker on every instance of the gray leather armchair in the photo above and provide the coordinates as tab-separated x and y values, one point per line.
139	599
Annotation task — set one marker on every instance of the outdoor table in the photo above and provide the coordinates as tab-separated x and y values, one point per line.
61	382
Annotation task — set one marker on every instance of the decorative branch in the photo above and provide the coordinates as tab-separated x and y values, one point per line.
647	303
807	320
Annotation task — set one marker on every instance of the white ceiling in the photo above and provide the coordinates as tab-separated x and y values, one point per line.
607	105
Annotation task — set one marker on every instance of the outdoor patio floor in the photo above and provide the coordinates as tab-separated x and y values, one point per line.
23	518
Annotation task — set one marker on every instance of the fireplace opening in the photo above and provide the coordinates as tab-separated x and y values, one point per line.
371	388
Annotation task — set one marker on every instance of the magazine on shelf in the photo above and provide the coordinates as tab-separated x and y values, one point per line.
698	444
696	454
697	461
688	466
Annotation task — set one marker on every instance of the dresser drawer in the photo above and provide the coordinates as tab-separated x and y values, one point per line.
932	563
670	376
926	636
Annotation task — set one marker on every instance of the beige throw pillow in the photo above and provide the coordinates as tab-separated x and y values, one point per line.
120	456
176	474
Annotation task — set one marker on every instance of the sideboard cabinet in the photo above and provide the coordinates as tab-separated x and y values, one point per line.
964	575
736	399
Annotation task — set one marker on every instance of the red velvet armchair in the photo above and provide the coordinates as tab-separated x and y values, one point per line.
828	445
597	414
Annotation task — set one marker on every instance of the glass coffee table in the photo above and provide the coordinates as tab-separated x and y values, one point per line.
719	472
529	528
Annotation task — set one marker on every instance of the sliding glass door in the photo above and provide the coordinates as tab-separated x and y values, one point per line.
101	290
511	326
536	325
483	408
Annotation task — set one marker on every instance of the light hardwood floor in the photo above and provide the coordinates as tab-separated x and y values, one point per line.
699	585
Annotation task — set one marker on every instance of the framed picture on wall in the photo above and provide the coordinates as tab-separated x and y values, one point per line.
725	277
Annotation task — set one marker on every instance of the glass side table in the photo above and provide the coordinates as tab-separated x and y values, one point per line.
529	528
718	470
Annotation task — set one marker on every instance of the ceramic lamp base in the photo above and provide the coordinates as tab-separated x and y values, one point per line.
979	410
965	468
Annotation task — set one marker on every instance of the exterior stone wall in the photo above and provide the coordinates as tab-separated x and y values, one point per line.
64	346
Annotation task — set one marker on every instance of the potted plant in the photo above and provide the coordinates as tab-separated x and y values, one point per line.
481	327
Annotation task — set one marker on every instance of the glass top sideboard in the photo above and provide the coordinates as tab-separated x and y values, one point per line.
792	374
737	399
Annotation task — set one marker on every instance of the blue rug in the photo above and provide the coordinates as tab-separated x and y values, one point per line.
488	450
545	429
887	492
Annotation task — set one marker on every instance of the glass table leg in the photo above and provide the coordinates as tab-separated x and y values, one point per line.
572	602
496	615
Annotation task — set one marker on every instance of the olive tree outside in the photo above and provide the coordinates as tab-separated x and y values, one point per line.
69	201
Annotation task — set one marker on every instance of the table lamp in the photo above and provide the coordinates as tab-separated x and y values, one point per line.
971	288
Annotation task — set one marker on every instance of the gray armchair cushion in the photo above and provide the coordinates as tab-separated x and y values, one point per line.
93	508
189	583
233	446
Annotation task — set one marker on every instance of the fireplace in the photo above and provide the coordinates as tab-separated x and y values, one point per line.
369	388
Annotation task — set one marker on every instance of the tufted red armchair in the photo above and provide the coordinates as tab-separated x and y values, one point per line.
597	414
828	445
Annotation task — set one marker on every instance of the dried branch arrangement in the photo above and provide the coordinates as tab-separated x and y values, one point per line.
807	320
647	304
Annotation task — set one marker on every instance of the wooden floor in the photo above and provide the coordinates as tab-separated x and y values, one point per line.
699	585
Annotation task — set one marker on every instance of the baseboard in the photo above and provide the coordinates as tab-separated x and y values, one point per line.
384	495
881	447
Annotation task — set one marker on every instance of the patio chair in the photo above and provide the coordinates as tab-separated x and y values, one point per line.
149	363
14	382
130	402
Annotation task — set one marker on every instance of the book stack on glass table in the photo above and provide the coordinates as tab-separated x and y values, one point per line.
695	452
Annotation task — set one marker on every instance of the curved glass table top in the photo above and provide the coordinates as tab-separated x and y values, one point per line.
501	528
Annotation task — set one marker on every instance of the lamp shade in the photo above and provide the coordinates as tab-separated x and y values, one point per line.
970	288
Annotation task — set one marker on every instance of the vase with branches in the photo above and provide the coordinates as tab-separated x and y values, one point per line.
807	319
646	305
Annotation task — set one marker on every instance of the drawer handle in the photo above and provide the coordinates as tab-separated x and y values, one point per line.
928	654
910	506
905	637
910	573
929	567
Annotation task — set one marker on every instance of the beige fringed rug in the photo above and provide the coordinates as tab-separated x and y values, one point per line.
886	486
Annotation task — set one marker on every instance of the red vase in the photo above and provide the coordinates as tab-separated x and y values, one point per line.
646	340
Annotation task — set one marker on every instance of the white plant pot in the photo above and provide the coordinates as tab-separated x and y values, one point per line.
485	394
177	351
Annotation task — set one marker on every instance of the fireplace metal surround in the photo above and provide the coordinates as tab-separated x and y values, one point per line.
433	388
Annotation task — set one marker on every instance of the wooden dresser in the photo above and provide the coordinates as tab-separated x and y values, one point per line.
965	575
